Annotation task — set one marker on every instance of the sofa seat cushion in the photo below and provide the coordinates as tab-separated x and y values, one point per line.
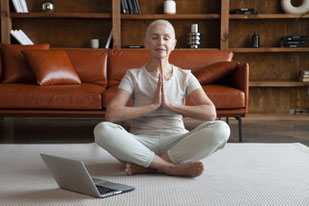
225	97
29	96
109	94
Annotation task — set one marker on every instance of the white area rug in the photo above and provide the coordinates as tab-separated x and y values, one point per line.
240	174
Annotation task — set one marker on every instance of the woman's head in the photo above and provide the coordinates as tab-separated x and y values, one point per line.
160	38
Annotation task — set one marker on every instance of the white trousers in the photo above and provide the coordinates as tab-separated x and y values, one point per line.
181	148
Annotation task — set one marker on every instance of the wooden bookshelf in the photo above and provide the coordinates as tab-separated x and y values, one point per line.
278	84
274	49
273	69
62	15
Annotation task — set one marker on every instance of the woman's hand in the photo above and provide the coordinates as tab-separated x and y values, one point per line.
164	99
157	98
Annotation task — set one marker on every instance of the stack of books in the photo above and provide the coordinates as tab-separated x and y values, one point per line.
294	41
130	7
21	37
20	6
304	76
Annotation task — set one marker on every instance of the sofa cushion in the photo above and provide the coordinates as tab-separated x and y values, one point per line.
109	94
213	72
225	97
52	67
70	97
90	64
196	59
119	61
15	65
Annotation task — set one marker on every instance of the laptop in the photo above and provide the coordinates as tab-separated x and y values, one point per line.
72	175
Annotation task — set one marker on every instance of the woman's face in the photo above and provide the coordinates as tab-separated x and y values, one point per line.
160	41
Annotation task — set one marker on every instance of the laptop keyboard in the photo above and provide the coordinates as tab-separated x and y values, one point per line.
104	190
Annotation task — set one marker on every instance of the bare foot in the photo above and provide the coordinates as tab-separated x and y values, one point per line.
133	169
191	169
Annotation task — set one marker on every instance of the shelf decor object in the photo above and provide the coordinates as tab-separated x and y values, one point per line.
194	37
48	6
290	9
169	7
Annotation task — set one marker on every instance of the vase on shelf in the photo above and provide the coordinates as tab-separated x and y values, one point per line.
169	7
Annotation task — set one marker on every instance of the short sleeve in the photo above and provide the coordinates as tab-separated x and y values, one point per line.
127	82
192	84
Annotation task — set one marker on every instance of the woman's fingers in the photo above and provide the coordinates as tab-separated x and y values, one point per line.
157	97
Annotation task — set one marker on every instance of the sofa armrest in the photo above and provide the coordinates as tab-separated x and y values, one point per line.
240	80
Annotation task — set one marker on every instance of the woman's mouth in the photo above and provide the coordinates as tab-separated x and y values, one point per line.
160	50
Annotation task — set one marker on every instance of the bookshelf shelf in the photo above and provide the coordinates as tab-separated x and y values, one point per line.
270	49
268	16
61	15
167	16
278	84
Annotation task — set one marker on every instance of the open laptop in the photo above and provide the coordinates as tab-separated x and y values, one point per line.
72	175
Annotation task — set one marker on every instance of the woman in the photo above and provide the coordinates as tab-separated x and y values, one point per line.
157	138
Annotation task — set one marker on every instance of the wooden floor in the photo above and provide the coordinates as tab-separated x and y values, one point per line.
255	129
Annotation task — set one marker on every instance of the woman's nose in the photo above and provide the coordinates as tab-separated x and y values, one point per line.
161	40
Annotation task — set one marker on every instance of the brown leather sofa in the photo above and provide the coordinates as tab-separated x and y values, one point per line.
100	72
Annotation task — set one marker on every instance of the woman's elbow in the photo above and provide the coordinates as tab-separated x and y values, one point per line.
212	114
109	116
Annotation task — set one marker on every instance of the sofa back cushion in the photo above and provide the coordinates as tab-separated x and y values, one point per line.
196	59
16	68
119	61
52	67
90	64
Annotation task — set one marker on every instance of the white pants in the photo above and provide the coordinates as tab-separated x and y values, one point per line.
181	148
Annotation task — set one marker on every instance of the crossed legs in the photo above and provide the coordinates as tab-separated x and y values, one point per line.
181	156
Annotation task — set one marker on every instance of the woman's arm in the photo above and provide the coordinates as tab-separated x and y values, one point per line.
203	107
118	111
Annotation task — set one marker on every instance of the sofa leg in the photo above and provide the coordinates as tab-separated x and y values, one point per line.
227	120
239	128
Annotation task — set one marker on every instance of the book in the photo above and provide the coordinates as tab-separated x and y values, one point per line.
296	38
138	8
124	7
293	45
293	42
109	39
134	6
17	6
27	39
304	72
24	6
304	79
21	37
134	46
129	2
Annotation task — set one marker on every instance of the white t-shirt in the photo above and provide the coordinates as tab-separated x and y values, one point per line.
142	87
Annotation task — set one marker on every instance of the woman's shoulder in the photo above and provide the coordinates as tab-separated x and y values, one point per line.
135	71
182	72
